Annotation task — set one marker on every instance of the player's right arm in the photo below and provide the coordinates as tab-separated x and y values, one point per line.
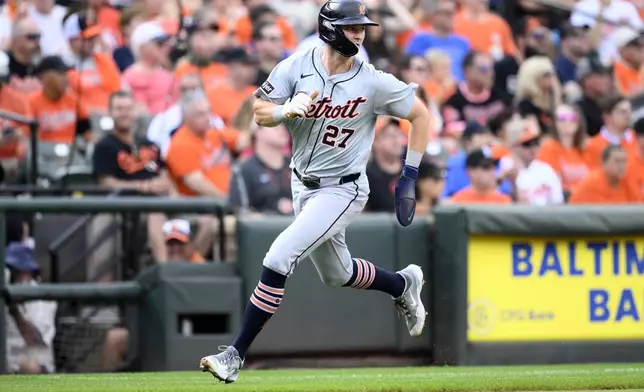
277	99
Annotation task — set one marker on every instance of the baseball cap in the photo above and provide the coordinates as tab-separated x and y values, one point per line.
72	27
481	157
177	229
590	65
21	257
472	128
625	36
51	63
520	131
145	33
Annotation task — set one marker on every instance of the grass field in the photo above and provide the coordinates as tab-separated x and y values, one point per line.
515	378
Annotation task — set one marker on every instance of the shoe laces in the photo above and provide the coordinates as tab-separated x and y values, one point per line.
401	304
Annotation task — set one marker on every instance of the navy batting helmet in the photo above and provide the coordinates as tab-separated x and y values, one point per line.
337	13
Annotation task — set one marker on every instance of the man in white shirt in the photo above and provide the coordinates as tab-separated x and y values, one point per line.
614	13
535	182
30	325
49	18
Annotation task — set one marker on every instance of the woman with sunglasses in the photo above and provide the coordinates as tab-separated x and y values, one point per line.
538	91
563	148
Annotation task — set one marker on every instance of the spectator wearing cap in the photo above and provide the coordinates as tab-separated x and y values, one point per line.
237	86
207	37
31	325
268	46
49	17
475	99
616	113
474	137
60	115
442	38
94	75
150	82
486	31
635	168
178	244
261	183
535	182
12	134
595	81
480	167
573	47
611	183
602	17
627	67
538	91
384	167
260	11
24	47
430	184
563	149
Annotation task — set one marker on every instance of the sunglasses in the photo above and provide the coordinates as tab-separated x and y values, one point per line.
33	37
567	117
484	68
272	38
213	27
530	143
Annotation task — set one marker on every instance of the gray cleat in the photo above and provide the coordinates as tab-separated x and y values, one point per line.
224	366
410	303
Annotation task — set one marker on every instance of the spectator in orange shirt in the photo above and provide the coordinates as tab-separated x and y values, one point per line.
12	140
94	75
199	157
207	38
60	115
616	112
635	168
226	97
178	242
150	82
486	31
481	169
627	70
608	184
563	149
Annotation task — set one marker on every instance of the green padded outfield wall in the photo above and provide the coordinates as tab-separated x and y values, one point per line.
316	318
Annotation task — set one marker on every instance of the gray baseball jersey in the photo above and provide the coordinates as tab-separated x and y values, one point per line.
334	138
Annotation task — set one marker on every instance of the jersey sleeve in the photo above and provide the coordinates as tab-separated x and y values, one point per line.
393	97
279	85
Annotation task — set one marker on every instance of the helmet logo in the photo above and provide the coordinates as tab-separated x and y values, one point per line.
362	9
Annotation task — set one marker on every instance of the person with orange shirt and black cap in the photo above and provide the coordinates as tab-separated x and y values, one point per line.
60	115
610	183
177	241
481	169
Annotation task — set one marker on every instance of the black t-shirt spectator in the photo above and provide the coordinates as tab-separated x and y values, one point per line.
259	188
114	158
18	69
592	115
546	121
381	185
463	107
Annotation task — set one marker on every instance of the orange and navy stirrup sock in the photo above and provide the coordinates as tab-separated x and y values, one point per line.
367	276
263	303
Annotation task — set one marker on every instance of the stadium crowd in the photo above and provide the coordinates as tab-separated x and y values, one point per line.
532	104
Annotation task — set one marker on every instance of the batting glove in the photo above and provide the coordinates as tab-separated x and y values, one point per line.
298	105
405	195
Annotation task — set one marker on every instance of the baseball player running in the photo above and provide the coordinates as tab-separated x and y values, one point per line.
329	100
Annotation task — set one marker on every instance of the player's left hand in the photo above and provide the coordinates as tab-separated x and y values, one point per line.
405	195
